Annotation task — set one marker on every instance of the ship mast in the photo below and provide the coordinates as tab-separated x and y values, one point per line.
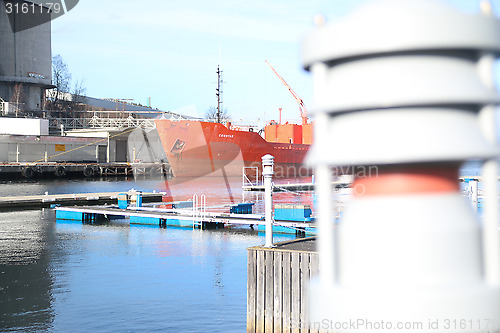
219	94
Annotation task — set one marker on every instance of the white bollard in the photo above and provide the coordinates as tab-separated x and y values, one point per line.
268	172
409	249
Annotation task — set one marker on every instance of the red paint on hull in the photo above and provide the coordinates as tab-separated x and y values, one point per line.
197	148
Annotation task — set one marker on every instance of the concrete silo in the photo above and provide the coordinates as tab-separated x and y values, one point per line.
25	60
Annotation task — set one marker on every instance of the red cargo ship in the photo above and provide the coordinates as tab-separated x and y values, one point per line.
198	148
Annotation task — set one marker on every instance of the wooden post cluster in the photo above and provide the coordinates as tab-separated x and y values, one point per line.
277	290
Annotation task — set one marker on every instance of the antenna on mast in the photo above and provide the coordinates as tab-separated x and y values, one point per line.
219	93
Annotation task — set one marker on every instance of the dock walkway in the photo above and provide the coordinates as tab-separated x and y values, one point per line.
46	200
291	187
82	169
178	217
310	186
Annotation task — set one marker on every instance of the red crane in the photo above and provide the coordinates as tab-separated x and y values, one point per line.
302	107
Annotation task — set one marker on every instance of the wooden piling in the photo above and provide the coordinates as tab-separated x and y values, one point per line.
277	286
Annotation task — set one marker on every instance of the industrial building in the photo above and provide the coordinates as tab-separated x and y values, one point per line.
100	135
27	141
25	60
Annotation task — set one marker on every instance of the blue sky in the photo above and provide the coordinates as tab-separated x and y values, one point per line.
170	50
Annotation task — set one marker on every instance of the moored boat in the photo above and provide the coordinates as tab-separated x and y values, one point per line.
199	148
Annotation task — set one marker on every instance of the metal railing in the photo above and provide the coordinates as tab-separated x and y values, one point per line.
97	122
199	210
247	179
129	122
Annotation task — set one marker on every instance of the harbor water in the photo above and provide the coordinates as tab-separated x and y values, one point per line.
65	276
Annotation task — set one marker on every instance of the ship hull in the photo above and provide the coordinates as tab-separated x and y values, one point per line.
197	148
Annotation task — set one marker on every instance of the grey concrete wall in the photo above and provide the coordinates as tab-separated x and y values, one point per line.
25	59
17	148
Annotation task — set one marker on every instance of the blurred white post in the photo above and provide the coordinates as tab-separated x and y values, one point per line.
325	234
325	210
490	206
267	173
487	122
374	91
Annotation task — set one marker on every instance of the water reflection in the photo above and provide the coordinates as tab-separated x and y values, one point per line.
25	277
66	276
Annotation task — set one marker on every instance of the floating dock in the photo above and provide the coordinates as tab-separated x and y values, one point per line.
291	187
338	184
281	187
180	217
86	199
82	169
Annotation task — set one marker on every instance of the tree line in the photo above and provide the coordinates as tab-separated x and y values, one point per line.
64	98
